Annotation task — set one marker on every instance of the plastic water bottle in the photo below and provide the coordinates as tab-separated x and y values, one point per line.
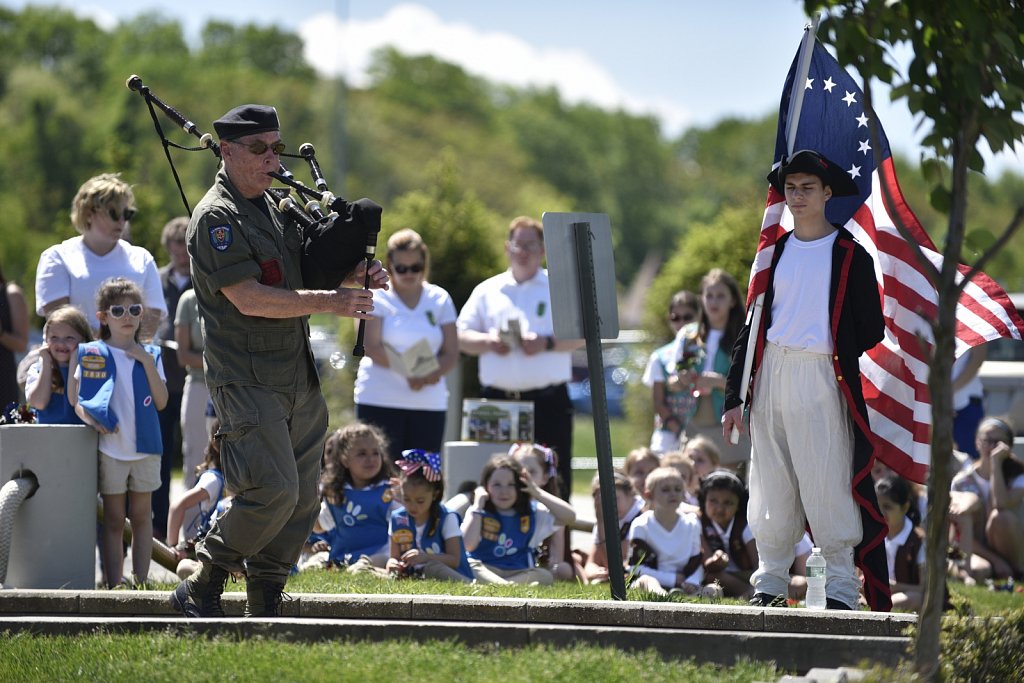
816	580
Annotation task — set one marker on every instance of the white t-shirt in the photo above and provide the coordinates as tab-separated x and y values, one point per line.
32	375
674	546
894	544
401	327
962	482
214	487
121	444
800	315
70	269
492	304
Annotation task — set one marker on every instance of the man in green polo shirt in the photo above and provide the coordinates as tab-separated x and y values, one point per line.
246	268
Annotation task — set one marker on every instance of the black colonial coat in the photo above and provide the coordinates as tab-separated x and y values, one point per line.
855	316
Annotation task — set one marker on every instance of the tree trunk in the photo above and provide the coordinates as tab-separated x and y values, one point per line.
940	474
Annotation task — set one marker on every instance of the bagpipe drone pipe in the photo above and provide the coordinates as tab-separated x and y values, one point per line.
336	234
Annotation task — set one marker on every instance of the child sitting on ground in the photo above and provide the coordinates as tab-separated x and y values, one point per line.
904	543
209	495
730	553
638	464
507	522
684	465
704	455
542	464
628	506
357	502
425	537
665	545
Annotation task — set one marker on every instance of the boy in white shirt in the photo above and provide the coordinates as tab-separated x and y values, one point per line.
666	550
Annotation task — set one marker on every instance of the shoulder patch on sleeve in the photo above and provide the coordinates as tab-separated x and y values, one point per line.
221	237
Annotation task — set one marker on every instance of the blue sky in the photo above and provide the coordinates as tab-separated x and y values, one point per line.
687	62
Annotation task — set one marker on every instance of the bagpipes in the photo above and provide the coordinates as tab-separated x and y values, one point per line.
336	234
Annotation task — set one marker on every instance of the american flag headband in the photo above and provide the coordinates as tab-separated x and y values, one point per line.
549	455
417	459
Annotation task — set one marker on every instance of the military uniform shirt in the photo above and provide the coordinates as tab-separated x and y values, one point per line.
230	239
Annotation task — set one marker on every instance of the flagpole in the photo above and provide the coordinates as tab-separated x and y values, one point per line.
796	103
803	67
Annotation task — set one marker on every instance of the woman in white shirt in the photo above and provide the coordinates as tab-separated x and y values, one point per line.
411	344
71	272
721	321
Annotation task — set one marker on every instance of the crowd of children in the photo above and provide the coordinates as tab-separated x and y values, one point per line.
681	515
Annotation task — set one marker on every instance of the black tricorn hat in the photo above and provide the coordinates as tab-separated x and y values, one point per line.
814	163
247	119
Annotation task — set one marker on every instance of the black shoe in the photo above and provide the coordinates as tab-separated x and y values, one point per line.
263	598
766	600
832	603
199	594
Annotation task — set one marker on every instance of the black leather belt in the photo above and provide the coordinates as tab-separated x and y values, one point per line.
529	395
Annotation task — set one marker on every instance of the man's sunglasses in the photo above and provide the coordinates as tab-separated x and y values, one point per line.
126	214
258	147
118	311
402	269
685	317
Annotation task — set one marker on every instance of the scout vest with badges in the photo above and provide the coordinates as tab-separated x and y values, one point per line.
360	523
505	540
59	410
403	533
97	386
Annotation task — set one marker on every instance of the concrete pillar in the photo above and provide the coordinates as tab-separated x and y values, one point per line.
54	540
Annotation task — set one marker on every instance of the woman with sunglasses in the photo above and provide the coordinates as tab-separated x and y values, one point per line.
672	406
71	272
411	343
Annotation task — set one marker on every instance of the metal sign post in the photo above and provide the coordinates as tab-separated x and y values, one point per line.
578	246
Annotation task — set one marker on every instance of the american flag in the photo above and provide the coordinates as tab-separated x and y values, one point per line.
894	374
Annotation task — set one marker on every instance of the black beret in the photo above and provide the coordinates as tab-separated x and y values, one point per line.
247	119
814	163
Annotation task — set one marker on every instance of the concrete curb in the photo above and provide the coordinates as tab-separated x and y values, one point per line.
679	616
795	640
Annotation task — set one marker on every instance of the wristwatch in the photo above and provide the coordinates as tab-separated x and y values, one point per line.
549	344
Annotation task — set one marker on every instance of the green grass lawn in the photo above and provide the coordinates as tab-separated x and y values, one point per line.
167	657
975	600
163	657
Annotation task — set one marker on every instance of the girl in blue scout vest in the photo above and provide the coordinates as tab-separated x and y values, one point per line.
47	379
357	501
204	498
425	536
541	463
117	386
509	519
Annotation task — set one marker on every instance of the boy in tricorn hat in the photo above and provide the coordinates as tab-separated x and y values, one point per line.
808	421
